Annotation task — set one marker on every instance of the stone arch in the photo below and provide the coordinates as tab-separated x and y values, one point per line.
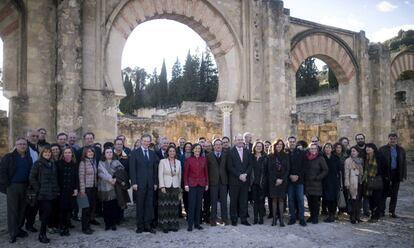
200	15
404	61
327	47
11	32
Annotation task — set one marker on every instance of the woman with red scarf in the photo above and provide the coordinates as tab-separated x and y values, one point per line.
315	170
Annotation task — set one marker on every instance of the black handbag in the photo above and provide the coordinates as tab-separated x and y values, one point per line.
375	183
31	196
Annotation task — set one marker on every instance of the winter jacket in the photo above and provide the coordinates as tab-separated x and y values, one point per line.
44	179
315	171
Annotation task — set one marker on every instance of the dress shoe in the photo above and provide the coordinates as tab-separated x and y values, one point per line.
107	228
302	223
190	229
75	218
22	234
393	215
165	231
43	239
87	231
261	221
329	220
213	223
353	222
94	222
292	222
150	230
113	228
309	220
139	230
174	230
31	229
246	223
234	223
199	227
282	224
12	240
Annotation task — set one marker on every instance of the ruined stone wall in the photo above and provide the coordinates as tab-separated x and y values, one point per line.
318	108
189	126
326	132
403	119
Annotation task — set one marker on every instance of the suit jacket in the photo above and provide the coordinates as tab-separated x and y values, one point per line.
166	180
143	171
160	156
401	161
236	167
217	169
196	172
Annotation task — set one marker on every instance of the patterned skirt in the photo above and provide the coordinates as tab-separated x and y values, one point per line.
168	204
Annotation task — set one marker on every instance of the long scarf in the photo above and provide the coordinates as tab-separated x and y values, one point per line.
311	156
370	169
358	161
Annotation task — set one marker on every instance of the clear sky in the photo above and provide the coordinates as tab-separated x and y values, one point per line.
153	41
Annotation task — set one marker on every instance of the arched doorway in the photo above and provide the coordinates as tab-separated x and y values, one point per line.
202	17
339	57
402	86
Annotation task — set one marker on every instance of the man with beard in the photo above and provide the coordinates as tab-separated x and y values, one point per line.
360	141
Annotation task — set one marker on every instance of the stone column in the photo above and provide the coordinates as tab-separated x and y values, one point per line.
69	66
226	108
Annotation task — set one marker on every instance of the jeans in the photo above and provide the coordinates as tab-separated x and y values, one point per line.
195	197
296	201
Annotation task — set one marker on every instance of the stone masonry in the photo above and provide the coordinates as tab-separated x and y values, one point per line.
62	68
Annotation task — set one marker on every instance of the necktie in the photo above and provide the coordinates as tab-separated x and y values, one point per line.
146	154
217	154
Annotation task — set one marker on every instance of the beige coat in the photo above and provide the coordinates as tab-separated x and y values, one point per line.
166	180
353	177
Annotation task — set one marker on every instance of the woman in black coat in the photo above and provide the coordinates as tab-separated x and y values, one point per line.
330	184
43	179
278	174
259	182
316	170
68	180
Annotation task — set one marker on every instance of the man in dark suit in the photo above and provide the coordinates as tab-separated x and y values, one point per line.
143	169
396	172
162	152
239	167
248	141
218	181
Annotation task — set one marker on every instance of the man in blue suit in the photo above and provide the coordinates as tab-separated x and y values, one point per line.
143	169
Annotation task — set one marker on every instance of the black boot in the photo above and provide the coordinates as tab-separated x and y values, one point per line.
274	222
43	239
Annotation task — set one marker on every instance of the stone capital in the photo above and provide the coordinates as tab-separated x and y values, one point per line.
225	106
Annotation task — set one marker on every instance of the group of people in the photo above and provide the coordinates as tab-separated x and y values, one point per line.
167	180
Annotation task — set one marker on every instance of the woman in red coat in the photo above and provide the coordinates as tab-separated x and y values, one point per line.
195	182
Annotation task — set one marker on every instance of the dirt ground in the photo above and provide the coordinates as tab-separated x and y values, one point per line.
385	233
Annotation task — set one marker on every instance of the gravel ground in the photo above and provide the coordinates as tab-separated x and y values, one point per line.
385	233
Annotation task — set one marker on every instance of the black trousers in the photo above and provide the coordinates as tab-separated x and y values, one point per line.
356	203
45	213
110	212
331	206
393	188
218	193
54	216
64	218
144	207
206	205
375	203
195	196
239	197
314	203
31	213
258	195
88	213
16	207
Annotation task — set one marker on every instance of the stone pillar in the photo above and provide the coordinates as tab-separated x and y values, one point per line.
69	66
277	107
226	108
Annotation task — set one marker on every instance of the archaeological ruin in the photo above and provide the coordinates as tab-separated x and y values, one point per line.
62	67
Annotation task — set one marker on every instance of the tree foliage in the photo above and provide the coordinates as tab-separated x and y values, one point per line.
306	78
404	41
197	80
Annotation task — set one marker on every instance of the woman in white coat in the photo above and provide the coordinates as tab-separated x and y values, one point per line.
169	176
353	182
